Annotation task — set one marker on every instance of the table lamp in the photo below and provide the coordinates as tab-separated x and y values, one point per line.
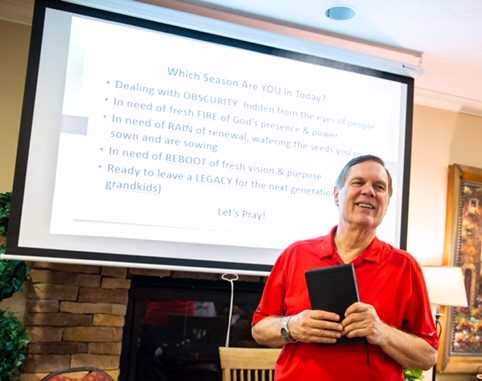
446	287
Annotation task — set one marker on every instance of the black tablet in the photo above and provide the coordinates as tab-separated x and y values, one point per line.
334	289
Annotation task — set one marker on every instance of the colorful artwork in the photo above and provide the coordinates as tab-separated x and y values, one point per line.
463	248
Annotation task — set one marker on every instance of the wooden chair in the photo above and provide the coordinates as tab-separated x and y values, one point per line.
248	364
84	373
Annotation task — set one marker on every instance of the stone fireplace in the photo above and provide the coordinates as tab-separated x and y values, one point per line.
80	315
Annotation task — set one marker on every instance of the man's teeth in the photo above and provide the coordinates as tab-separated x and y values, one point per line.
363	205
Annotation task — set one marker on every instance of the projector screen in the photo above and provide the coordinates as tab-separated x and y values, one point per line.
148	144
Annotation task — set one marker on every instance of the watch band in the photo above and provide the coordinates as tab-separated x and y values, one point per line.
285	331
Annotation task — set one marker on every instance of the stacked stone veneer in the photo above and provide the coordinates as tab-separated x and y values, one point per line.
75	316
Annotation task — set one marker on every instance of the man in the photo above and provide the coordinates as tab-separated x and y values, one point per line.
394	314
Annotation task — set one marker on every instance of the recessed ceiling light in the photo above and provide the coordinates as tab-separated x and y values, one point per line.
340	12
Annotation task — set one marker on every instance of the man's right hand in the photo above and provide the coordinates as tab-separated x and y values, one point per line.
315	326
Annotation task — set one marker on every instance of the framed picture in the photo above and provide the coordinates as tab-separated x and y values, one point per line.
461	340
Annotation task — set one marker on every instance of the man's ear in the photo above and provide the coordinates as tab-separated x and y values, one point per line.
336	194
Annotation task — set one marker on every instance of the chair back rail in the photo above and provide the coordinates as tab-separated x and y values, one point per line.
248	364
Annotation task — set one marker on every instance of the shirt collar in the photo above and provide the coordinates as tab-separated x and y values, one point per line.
371	254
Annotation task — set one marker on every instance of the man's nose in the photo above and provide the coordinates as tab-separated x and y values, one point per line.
368	190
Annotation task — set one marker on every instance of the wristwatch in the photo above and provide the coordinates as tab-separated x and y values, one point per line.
285	331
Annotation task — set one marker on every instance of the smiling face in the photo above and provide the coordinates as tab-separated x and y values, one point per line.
363	199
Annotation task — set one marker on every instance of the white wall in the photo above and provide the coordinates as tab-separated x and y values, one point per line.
432	136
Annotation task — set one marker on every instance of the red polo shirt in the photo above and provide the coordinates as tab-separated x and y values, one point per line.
388	278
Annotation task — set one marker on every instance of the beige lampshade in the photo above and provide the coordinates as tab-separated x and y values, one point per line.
445	286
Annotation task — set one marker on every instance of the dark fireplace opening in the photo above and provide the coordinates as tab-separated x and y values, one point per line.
174	327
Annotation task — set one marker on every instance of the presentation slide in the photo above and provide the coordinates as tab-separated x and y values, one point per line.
161	139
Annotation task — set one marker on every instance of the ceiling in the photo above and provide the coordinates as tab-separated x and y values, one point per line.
447	33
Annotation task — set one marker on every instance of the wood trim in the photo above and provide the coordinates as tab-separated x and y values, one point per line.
18	11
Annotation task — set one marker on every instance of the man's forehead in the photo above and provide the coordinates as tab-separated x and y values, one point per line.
367	168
